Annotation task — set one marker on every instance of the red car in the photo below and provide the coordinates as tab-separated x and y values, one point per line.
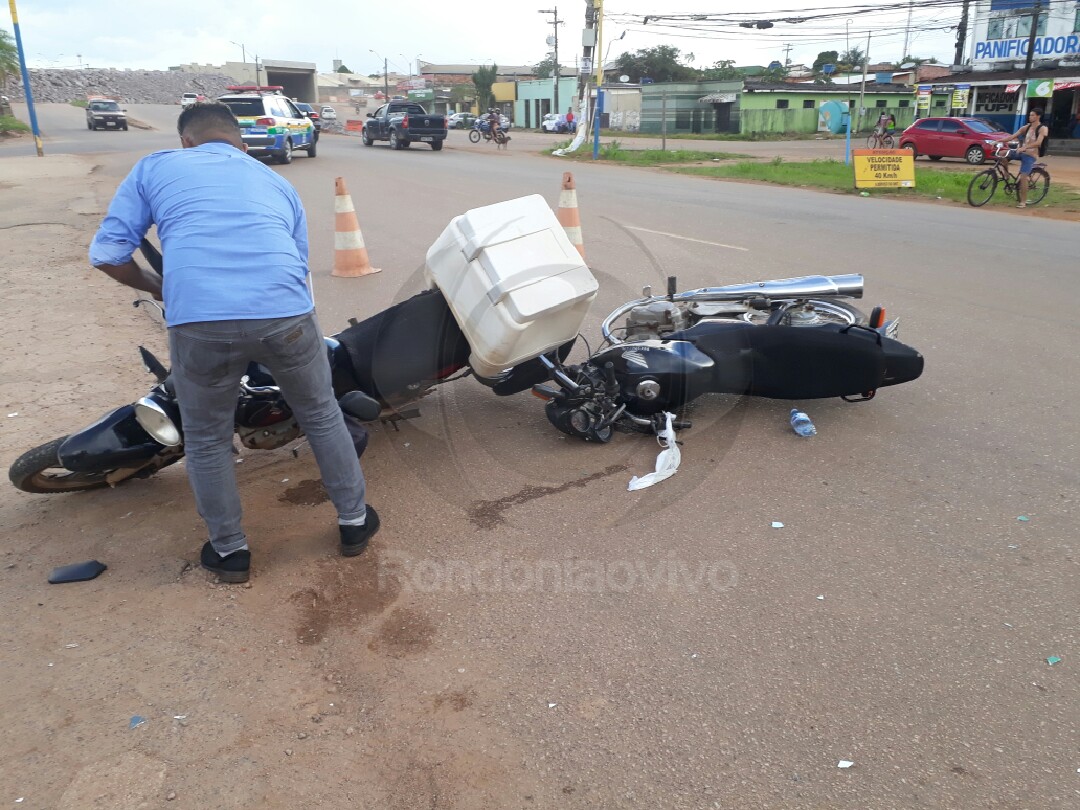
969	138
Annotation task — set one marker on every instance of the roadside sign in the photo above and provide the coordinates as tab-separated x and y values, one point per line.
960	96
884	168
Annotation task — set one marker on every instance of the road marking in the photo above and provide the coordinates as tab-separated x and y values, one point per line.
688	238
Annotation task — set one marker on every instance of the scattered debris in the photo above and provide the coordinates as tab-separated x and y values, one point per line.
70	646
1053	659
77	572
1007	625
821	597
844	763
776	524
129	514
179	717
9	416
1023	518
284	480
288	752
552	705
862	194
170	795
667	462
136	721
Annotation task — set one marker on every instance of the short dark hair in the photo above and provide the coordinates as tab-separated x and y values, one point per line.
1037	110
207	118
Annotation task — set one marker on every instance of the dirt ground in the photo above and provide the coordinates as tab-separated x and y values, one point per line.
291	693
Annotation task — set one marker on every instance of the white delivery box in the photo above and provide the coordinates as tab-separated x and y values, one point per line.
516	285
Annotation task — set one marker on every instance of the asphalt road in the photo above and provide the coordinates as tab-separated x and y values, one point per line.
668	648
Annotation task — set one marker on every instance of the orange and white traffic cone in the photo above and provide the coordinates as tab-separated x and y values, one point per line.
350	253
568	215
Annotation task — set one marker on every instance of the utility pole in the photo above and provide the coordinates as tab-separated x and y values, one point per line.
787	55
1031	38
961	35
558	71
907	29
862	87
26	80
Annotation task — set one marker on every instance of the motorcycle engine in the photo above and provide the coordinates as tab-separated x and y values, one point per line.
269	437
653	320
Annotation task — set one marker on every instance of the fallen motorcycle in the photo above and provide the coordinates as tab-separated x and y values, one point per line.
508	294
784	339
380	367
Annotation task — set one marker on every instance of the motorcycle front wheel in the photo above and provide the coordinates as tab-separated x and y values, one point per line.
817	312
39	471
474	135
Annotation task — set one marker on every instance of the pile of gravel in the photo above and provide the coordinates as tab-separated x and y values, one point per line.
127	86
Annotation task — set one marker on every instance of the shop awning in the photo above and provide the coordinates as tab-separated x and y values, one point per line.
1011	88
1065	86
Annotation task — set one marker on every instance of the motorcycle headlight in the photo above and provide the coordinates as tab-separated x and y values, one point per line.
155	418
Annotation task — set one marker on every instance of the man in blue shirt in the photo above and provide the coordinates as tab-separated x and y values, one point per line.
234	241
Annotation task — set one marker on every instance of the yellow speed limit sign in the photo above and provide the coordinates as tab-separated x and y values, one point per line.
884	168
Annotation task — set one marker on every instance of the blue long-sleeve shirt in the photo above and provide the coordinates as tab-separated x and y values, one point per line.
233	234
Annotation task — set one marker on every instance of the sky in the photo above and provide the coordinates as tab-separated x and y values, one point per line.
155	34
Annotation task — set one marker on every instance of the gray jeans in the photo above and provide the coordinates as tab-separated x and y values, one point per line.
208	360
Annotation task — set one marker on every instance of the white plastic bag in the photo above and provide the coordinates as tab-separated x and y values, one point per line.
667	463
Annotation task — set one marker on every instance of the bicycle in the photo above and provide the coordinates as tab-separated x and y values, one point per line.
878	141
984	185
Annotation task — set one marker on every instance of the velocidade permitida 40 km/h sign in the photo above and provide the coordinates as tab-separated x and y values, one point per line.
884	168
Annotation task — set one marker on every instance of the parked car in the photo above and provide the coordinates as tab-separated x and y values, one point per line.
955	137
328	113
556	122
461	120
271	124
104	113
188	99
311	113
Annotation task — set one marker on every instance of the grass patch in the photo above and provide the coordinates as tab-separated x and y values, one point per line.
614	152
9	123
78	102
836	176
724	136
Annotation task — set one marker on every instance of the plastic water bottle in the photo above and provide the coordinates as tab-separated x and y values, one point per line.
801	423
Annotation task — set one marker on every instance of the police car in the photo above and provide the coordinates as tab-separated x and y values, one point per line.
271	125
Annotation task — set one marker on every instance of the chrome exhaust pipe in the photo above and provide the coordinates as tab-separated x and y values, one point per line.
847	286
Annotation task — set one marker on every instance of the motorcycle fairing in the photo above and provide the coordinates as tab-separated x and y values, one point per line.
413	341
115	440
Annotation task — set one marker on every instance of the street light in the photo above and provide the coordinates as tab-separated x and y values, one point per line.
386	81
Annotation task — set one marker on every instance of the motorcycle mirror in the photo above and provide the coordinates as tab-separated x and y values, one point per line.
672	288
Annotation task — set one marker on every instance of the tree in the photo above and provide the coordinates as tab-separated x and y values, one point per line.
482	80
824	58
661	64
545	68
343	69
9	56
852	58
722	71
460	93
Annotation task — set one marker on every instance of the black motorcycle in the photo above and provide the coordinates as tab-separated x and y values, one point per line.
380	367
785	339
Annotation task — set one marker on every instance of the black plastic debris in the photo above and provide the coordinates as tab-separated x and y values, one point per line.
76	572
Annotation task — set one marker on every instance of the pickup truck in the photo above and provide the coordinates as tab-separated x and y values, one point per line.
402	123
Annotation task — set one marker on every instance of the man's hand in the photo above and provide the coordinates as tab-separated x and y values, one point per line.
132	275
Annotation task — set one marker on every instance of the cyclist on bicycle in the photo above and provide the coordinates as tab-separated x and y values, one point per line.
1034	132
885	126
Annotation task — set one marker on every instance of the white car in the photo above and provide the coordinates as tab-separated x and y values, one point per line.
328	113
188	99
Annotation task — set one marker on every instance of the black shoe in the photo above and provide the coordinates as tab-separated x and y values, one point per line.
354	539
233	568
